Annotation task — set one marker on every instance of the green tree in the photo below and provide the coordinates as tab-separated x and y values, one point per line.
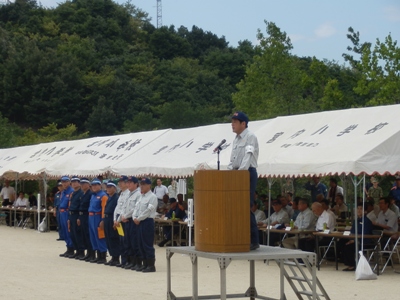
379	67
273	82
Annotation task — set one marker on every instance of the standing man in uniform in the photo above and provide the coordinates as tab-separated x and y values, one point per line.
244	156
57	200
124	240
96	225
160	190
64	206
74	229
135	259
110	230
8	196
83	221
143	217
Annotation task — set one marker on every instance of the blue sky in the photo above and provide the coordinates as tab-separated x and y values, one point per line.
316	27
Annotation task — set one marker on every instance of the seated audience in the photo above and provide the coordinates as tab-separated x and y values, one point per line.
278	217
295	207
286	207
371	212
176	210
304	221
260	216
325	219
348	251
339	207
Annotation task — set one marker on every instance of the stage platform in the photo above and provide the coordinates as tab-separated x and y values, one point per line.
301	275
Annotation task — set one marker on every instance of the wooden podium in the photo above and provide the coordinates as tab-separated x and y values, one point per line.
222	211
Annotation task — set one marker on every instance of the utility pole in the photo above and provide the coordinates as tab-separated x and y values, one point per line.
159	14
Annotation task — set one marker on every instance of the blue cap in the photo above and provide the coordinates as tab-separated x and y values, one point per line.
241	116
96	181
172	200
145	181
123	178
85	180
75	178
133	179
65	178
110	183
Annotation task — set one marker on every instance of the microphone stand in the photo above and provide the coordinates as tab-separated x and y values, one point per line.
218	162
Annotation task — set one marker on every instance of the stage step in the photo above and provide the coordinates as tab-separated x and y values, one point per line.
299	276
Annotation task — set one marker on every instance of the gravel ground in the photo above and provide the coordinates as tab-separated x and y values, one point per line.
32	269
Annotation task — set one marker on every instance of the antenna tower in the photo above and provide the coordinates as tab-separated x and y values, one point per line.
159	14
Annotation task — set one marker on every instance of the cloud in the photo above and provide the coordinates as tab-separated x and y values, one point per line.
392	13
296	37
324	31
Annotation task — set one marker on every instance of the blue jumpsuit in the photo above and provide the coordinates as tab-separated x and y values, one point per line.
64	206
84	218
57	207
96	208
75	230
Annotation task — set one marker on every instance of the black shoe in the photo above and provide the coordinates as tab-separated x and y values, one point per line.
102	259
150	266
162	243
59	239
254	246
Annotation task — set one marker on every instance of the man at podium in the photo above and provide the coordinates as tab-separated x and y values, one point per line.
244	156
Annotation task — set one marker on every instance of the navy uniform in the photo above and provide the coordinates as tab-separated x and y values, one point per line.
57	200
96	214
84	220
135	258
64	206
244	156
143	217
74	229
110	231
180	213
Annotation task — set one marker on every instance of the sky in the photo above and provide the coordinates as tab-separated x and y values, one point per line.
316	27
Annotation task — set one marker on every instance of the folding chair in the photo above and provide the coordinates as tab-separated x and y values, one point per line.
390	250
327	249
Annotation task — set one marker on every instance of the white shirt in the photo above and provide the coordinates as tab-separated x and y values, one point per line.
327	218
21	202
120	204
305	220
372	216
388	218
6	192
172	191
395	209
145	207
243	157
160	191
281	217
260	215
131	203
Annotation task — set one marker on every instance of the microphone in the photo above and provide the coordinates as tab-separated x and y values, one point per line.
220	144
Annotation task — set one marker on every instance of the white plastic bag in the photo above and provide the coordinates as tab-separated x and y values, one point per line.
364	271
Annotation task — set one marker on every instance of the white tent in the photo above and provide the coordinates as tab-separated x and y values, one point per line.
354	141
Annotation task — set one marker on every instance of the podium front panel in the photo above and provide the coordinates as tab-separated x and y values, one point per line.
222	211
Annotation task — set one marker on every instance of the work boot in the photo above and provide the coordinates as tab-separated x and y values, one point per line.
134	263
114	261
162	243
73	254
150	266
92	255
86	256
94	258
102	259
68	252
143	266
137	265
129	265
81	254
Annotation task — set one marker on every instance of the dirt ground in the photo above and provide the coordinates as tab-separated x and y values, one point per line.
31	269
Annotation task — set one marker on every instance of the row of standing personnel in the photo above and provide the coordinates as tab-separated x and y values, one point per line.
90	218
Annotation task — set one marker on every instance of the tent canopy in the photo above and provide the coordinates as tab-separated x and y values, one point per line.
353	141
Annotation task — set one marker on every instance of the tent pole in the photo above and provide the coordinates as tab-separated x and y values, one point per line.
270	183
